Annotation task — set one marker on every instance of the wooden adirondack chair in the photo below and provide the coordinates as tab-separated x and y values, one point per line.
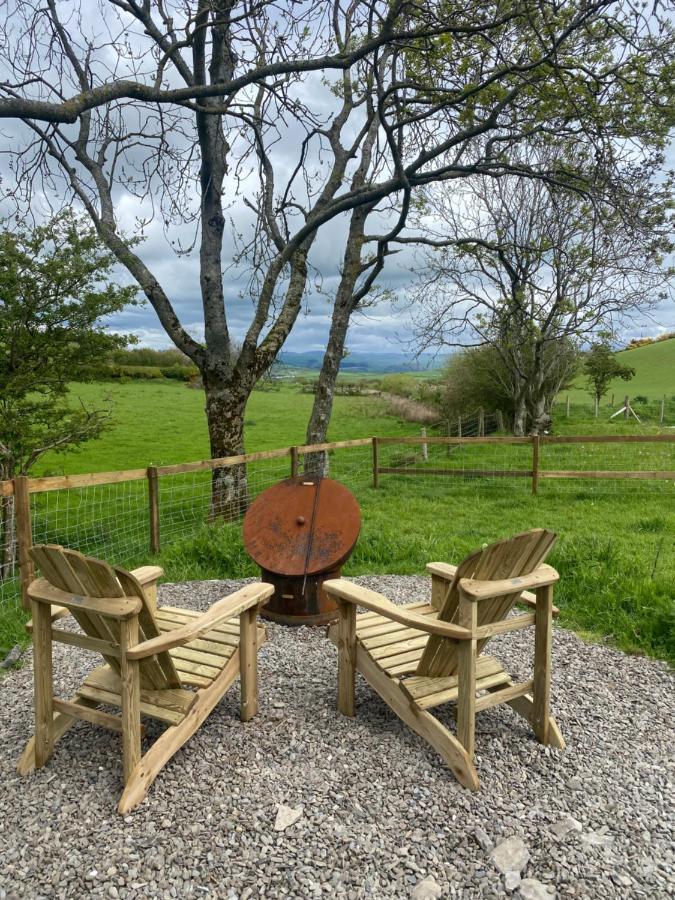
424	654
154	658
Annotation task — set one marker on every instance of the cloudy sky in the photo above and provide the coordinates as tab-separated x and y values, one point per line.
384	327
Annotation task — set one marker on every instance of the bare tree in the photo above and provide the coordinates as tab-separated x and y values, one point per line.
175	104
533	269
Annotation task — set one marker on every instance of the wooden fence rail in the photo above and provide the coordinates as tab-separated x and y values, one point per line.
22	487
534	472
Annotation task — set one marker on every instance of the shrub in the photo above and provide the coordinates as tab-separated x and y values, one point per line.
400	385
412	411
179	373
146	356
140	372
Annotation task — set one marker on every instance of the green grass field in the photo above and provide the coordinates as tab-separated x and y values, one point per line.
654	366
616	539
163	422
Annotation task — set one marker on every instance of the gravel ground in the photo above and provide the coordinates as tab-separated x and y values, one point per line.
380	816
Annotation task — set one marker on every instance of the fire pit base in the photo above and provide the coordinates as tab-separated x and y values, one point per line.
289	606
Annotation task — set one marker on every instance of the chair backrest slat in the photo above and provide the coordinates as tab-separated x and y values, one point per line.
57	569
510	558
81	575
159	668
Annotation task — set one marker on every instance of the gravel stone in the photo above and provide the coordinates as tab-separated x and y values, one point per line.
597	839
563	828
286	816
427	889
531	889
483	839
511	880
369	787
12	658
510	856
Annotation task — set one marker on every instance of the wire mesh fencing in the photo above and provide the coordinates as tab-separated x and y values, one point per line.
637	410
116	516
629	464
113	519
105	518
479	460
186	499
626	466
478	424
350	462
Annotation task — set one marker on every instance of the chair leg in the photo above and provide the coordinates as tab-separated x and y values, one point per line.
168	743
61	723
420	721
466	678
346	642
541	689
42	675
130	690
248	650
524	706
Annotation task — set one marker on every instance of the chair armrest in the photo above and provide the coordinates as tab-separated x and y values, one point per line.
447	572
222	610
442	570
147	577
147	574
361	596
480	590
42	591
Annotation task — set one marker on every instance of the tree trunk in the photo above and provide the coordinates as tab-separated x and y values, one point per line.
317	428
347	299
519	416
536	396
225	408
540	417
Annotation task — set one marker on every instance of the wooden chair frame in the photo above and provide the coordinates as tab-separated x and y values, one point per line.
187	710
411	698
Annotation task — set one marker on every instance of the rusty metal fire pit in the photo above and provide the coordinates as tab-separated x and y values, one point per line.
300	532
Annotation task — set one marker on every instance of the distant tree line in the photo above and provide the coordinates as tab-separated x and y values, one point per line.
146	363
645	341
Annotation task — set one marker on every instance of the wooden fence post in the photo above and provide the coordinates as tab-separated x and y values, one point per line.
568	407
448	433
500	420
597	406
425	446
535	463
481	422
376	463
153	502
459	426
24	535
663	410
294	462
626	411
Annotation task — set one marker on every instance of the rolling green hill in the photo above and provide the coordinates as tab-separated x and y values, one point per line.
654	366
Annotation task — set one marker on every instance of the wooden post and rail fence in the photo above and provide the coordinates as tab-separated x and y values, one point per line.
22	487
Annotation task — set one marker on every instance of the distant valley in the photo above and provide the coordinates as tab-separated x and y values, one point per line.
365	362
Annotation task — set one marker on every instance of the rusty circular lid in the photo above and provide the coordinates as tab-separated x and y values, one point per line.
302	526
